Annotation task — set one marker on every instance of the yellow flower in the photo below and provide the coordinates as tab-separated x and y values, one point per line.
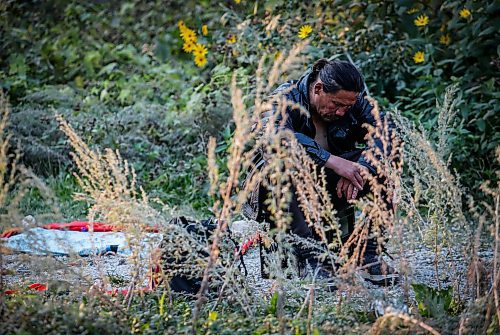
200	50
305	31
412	10
277	55
200	61
421	20
445	39
204	30
181	25
419	57
231	39
188	35
189	46
237	1
465	13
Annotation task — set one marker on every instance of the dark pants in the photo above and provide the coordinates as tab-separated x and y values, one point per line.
345	212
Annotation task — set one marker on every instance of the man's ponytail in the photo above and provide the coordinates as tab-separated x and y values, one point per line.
319	65
337	75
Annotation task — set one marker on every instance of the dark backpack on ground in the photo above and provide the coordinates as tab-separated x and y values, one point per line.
201	231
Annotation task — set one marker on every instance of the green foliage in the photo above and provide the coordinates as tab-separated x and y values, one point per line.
121	88
382	39
117	72
56	198
273	304
59	316
432	302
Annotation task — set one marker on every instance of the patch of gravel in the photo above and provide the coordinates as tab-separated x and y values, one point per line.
116	271
112	270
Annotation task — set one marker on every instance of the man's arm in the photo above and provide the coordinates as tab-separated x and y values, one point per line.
362	111
295	119
343	167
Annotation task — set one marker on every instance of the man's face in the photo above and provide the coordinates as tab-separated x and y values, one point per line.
333	106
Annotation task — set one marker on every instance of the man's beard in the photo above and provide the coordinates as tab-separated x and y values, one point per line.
329	117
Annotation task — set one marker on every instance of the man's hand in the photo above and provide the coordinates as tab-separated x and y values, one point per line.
347	169
345	187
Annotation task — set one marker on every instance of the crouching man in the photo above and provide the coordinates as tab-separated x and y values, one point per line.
333	94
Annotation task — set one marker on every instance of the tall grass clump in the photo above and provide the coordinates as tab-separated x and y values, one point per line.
413	177
288	166
436	212
8	178
108	185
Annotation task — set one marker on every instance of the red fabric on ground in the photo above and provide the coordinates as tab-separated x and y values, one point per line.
38	287
35	286
249	243
10	232
81	226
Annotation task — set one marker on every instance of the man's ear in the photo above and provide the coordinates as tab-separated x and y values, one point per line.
318	87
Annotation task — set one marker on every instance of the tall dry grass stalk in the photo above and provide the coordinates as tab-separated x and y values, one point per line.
8	170
433	213
8	162
13	176
15	182
288	167
109	186
392	321
431	194
377	216
486	279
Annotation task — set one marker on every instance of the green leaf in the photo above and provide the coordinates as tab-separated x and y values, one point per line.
481	124
432	302
17	65
161	303
273	305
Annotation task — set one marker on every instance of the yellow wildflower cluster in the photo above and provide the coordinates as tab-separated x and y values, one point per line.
419	57
421	20
465	13
305	31
191	44
445	39
231	39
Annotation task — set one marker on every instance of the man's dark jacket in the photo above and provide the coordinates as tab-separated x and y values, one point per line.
344	135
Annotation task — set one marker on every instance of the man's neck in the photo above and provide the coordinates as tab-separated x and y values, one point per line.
321	127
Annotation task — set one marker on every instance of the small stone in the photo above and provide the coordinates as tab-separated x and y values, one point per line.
28	221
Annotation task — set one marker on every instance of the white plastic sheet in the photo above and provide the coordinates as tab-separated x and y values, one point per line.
42	241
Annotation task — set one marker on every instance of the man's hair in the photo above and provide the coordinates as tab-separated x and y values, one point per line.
337	75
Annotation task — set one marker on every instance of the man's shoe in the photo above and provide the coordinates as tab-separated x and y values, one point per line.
378	272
